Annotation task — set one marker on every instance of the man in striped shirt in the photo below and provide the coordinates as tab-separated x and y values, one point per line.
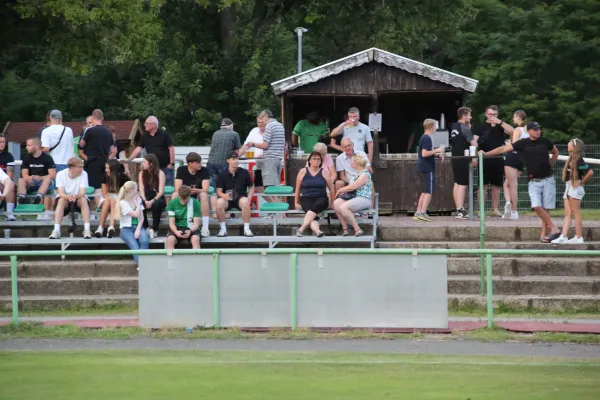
274	147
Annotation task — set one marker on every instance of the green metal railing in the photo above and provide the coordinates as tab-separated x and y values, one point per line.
486	253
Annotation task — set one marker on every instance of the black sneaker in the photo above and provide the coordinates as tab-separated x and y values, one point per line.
21	199
461	213
37	199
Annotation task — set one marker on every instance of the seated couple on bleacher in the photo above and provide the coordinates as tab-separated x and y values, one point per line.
312	184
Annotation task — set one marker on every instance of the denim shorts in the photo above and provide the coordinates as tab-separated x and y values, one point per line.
542	193
576	193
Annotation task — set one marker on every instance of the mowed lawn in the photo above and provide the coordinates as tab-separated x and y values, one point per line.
144	375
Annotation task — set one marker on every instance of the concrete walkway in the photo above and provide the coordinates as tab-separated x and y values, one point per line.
525	325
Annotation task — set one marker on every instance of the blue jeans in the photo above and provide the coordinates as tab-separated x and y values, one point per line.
169	176
215	170
60	167
127	235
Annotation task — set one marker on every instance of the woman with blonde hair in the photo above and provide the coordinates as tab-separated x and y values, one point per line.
354	197
130	210
575	174
513	166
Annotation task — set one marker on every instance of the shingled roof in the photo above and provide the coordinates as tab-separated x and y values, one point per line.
21	131
374	55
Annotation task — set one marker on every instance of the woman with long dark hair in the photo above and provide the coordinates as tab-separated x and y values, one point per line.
513	166
114	179
152	189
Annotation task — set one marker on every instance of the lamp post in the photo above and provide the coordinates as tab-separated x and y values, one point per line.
299	32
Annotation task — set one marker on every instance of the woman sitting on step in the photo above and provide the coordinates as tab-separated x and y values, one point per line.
130	211
114	179
152	188
311	193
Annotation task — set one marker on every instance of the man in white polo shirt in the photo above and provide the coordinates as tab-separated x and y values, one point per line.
72	184
343	163
57	140
357	131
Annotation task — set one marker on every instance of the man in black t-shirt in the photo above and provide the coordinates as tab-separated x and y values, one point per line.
7	161
461	138
38	172
234	190
492	134
197	178
157	142
542	187
96	143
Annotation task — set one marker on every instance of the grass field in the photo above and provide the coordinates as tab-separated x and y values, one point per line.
147	375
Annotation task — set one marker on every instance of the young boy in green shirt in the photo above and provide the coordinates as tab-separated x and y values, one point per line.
184	219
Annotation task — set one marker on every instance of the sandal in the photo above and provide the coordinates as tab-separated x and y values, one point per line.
345	232
320	234
299	233
359	232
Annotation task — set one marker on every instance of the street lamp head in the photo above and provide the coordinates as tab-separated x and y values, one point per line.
299	30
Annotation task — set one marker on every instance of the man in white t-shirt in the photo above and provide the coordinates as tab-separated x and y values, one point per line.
256	136
72	183
343	163
7	191
357	131
57	140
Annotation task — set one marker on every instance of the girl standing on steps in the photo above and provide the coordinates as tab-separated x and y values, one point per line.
575	174
130	210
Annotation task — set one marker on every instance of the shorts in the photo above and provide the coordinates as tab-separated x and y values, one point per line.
95	171
234	203
35	186
427	182
360	203
460	171
61	167
575	193
258	180
314	204
271	172
514	160
76	209
110	195
542	193
493	172
184	230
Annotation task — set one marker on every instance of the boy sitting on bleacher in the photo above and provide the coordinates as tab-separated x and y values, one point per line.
72	184
184	219
7	190
234	190
38	172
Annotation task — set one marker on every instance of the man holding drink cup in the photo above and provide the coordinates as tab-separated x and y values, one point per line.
234	190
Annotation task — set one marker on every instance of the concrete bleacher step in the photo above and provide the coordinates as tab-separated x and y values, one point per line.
557	303
525	245
72	286
70	302
72	269
529	285
528	266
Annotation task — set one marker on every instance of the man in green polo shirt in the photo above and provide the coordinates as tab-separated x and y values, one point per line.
184	219
309	131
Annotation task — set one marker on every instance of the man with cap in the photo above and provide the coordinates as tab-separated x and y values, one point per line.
57	140
224	142
159	143
542	187
234	190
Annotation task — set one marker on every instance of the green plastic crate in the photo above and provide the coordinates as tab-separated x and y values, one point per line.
29	209
270	207
211	190
169	190
89	191
279	190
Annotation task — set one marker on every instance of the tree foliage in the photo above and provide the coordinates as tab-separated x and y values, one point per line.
191	62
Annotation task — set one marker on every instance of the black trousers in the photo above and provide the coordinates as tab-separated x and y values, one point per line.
157	208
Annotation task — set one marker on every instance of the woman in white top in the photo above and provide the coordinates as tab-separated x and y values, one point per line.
130	210
256	136
513	166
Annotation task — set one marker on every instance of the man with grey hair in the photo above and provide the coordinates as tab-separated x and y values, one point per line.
357	131
343	163
158	142
57	140
274	149
223	143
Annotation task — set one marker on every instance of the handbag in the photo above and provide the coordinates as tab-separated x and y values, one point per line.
347	195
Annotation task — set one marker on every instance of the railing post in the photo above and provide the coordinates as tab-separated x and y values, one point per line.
490	294
294	290
216	292
481	222
14	290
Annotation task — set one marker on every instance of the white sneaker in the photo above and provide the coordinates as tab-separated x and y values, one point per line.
507	211
222	233
514	215
204	232
248	233
11	217
99	232
497	213
55	234
87	234
560	239
151	234
575	240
